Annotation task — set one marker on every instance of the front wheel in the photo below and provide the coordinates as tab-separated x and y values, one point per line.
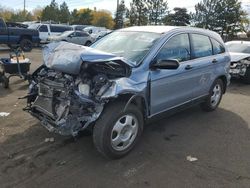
117	131
214	98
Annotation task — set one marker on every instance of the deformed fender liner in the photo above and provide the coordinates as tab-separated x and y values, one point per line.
129	101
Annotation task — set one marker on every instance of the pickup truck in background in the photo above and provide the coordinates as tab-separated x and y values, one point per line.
17	36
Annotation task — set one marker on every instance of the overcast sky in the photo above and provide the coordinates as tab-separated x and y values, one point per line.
99	4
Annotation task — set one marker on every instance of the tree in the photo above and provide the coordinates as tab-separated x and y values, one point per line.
85	16
103	18
229	15
138	13
218	14
74	17
180	17
37	13
120	15
157	11
51	12
64	14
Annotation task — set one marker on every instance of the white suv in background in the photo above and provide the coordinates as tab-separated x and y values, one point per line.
48	30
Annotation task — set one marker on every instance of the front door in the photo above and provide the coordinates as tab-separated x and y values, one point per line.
171	88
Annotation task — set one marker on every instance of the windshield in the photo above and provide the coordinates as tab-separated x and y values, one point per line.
130	45
33	26
239	47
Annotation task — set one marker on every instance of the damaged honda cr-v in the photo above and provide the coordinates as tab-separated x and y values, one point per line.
124	79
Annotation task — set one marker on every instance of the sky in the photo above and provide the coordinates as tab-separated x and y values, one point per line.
99	4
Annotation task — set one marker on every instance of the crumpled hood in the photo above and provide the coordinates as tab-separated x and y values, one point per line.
68	58
238	56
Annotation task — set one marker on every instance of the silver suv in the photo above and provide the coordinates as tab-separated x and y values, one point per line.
126	78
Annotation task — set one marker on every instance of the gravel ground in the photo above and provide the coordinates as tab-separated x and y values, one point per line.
220	141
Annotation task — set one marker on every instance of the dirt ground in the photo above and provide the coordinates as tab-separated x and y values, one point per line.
219	140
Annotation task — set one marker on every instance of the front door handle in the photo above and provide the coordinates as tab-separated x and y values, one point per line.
188	67
214	61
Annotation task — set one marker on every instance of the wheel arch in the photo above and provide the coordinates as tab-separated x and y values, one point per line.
224	80
136	99
25	37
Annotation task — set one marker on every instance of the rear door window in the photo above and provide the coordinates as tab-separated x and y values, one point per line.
201	46
178	47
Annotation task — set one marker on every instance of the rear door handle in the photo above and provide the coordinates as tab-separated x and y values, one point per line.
188	67
214	61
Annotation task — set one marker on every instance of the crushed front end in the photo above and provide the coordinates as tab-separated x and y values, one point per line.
68	100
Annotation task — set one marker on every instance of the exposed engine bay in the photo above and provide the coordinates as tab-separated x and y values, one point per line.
68	103
239	68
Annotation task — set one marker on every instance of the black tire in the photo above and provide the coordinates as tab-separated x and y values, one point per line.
5	82
88	43
246	77
208	105
26	45
103	129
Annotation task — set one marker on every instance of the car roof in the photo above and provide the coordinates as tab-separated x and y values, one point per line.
166	29
152	29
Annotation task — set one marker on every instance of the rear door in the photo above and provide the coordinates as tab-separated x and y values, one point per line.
203	64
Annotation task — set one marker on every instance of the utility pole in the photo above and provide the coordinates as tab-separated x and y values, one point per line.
117	5
24	5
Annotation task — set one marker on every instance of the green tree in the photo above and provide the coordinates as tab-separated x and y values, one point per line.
180	17
138	13
157	9
74	17
85	16
214	14
51	12
229	14
64	14
120	15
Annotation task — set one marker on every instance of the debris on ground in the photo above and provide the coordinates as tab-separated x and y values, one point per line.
49	139
4	114
191	159
61	163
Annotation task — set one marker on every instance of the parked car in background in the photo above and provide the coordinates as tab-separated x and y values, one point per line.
46	30
97	32
126	78
14	35
240	59
79	27
76	37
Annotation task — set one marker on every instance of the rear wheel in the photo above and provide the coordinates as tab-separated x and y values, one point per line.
26	45
214	98
117	131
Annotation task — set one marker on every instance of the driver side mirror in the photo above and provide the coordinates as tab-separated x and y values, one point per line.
171	64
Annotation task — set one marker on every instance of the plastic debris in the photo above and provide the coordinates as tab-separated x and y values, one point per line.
191	159
61	163
49	139
4	114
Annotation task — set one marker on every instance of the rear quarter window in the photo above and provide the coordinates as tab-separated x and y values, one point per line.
201	46
218	48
